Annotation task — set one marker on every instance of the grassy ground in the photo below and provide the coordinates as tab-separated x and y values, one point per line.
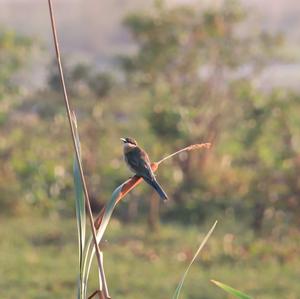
39	261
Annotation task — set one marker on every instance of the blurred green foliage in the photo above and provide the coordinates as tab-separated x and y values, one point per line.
14	51
199	69
192	79
266	268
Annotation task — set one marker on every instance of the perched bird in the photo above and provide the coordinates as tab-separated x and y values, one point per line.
139	163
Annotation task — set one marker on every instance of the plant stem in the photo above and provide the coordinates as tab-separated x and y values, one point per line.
55	40
188	148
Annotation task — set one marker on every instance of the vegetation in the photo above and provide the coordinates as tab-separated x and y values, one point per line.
40	261
193	79
185	85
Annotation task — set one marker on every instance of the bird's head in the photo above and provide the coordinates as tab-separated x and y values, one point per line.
128	141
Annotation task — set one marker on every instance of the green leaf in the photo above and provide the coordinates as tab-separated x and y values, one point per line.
108	212
89	254
80	211
230	290
80	208
79	200
178	289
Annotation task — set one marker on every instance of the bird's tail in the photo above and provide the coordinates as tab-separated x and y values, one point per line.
153	183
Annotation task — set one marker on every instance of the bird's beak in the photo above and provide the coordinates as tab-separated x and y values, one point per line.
123	139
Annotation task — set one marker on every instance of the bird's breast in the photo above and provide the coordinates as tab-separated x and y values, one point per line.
129	164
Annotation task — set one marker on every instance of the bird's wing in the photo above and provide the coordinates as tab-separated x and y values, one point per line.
139	161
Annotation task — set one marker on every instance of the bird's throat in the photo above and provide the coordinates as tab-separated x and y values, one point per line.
128	147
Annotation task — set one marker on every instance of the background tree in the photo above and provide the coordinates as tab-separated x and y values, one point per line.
200	67
192	79
15	51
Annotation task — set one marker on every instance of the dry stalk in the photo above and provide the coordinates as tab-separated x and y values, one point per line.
67	105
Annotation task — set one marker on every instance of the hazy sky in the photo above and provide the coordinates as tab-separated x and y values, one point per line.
95	25
92	30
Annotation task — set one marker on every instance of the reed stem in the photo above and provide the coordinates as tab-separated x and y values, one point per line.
67	105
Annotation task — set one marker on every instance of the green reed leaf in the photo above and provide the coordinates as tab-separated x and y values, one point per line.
90	252
230	290
179	287
80	211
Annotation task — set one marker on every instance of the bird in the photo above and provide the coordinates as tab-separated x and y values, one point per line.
139	163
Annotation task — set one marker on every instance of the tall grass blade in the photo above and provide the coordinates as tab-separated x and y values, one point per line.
105	220
179	287
80	211
230	290
86	268
108	212
71	119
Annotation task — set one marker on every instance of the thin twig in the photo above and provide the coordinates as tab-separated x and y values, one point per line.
75	147
97	292
189	148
